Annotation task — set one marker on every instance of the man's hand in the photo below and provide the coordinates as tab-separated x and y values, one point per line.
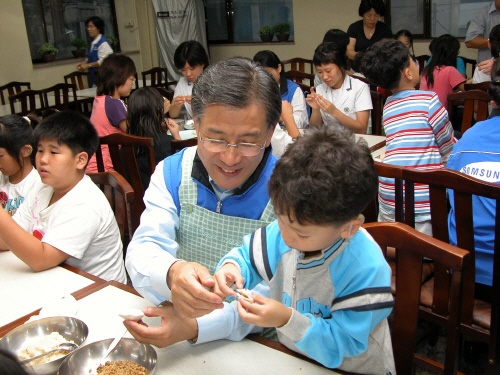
485	66
174	327
225	277
190	284
264	312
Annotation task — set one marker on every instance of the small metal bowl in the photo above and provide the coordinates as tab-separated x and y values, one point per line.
71	329
86	358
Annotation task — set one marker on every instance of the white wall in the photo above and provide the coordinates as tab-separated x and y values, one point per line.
312	18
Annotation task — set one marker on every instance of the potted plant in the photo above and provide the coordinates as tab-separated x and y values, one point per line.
48	52
266	33
113	41
80	45
282	31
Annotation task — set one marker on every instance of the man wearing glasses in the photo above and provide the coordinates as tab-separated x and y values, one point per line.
202	200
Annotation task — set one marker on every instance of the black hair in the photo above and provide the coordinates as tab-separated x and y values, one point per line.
145	115
337	36
326	177
191	52
16	132
407	34
444	53
494	89
71	129
98	23
114	72
495	41
377	5
9	364
384	61
330	53
268	59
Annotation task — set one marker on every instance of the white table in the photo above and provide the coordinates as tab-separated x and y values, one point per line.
99	311
23	291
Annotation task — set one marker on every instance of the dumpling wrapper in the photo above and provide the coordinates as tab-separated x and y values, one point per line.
132	314
246	294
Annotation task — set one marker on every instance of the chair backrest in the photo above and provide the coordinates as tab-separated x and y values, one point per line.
61	96
475	103
177	145
373	86
299	64
464	188
471	62
304	80
157	77
122	149
27	101
412	246
422	60
121	198
12	88
81	80
484	86
377	112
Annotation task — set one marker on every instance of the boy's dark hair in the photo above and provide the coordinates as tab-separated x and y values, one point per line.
337	36
495	41
384	61
366	5
494	89
191	52
326	177
16	132
330	53
9	364
71	129
444	53
98	23
114	72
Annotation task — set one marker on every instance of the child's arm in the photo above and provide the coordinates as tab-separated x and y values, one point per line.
36	254
441	127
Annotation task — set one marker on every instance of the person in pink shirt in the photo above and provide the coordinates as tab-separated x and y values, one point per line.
109	112
441	75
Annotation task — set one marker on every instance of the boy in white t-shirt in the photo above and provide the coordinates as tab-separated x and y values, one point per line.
67	219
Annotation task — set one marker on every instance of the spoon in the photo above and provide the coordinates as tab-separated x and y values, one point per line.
69	346
110	348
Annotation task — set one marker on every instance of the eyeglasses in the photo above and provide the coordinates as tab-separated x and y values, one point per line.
245	149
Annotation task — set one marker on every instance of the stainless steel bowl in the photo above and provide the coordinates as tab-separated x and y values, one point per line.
71	329
85	359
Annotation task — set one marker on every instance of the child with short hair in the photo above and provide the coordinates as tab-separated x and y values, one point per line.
67	219
17	174
418	132
329	282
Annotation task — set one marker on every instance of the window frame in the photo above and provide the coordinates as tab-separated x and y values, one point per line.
43	24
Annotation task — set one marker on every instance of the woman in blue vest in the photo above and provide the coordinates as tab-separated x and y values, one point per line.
294	114
99	48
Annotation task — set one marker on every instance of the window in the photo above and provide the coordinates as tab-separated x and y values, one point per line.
432	18
60	21
239	21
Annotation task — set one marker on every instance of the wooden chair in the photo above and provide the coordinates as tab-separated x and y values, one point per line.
158	77
12	88
178	145
479	319
60	97
422	60
304	80
412	246
475	104
298	64
27	101
81	80
377	112
121	197
484	86
122	149
373	86
467	62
